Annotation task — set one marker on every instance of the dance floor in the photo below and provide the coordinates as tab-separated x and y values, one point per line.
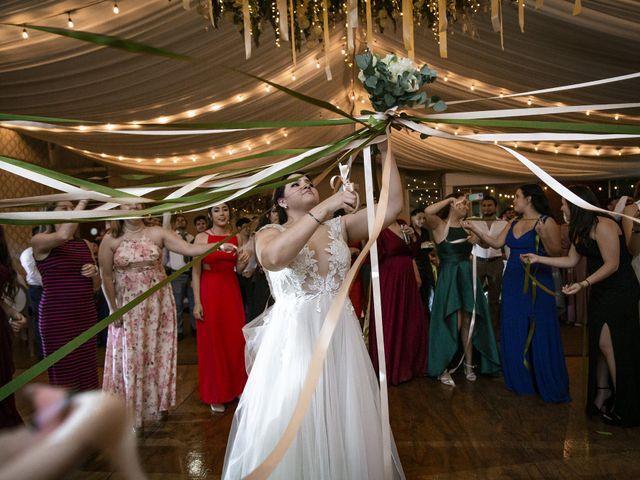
473	431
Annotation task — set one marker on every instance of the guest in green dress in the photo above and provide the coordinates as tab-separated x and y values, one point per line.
453	302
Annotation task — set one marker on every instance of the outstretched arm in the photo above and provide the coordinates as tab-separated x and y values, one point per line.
276	250
356	225
43	243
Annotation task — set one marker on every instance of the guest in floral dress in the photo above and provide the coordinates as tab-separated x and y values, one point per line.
140	361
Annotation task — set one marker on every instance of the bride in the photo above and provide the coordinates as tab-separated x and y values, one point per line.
306	259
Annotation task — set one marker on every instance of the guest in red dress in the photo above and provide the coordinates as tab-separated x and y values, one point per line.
403	316
219	309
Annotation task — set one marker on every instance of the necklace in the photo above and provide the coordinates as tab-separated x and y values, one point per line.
128	230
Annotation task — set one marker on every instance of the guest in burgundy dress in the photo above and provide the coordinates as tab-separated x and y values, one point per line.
69	278
9	416
403	316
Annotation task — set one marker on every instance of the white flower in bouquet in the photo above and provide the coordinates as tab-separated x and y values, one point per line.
413	84
395	82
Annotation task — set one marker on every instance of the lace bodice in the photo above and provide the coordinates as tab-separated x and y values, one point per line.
302	278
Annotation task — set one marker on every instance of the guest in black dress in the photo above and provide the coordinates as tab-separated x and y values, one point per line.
10	323
612	313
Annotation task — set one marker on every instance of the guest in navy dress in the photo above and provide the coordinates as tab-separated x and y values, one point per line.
614	327
530	342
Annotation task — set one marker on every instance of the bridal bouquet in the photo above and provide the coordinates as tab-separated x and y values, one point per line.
395	82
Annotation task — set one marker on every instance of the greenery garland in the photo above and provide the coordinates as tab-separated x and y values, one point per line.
308	15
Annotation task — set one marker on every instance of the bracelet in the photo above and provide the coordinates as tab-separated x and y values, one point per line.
314	217
588	282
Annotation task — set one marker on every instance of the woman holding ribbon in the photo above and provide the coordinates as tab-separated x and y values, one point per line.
140	360
530	342
67	308
220	313
306	260
614	324
459	314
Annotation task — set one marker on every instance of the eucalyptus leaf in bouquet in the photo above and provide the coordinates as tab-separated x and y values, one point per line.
394	81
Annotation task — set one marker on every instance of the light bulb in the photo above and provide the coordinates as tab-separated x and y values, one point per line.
69	21
116	9
617	117
588	113
25	35
472	87
317	64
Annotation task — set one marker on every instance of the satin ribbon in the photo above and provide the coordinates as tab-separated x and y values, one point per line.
327	37
369	24
521	15
266	468
577	8
377	306
442	27
547	179
292	21
352	23
407	28
573	86
246	19
282	13
343	178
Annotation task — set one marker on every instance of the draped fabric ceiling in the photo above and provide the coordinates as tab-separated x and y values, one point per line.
53	76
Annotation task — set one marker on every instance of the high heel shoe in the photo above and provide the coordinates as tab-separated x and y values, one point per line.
445	377
217	408
469	373
607	403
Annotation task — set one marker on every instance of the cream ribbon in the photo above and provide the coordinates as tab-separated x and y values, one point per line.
282	13
327	38
537	171
352	23
292	21
266	468
521	15
246	19
577	7
407	28
442	27
573	86
369	24
377	307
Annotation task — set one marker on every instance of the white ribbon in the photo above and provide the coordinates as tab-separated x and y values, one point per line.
352	22
246	20
377	308
282	13
573	86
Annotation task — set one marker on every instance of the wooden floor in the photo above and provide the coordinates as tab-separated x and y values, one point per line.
473	431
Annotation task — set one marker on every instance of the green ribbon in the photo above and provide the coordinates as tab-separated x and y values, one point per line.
104	40
43	365
535	284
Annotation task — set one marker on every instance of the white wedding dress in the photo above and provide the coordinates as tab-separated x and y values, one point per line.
340	437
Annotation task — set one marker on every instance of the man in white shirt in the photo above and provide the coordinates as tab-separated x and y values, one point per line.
182	284
490	264
34	282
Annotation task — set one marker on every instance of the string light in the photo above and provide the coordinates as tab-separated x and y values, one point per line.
25	34
69	21
116	9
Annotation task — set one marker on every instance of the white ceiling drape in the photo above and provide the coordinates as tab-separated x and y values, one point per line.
52	76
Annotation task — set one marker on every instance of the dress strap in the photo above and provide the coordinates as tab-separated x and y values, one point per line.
275	226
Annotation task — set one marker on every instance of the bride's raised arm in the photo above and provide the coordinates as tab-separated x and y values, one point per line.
275	250
356	224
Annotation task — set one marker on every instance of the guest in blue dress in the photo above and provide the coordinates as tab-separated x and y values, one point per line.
530	342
